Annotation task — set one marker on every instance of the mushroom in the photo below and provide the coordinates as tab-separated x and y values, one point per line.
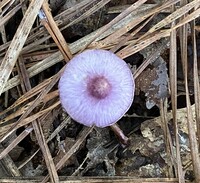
97	88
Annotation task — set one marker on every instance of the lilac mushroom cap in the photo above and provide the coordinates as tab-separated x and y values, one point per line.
96	88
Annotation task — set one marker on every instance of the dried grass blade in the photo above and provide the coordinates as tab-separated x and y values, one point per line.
116	19
56	36
196	81
68	12
135	22
46	152
188	18
173	87
190	121
25	107
23	75
35	103
9	165
167	137
26	121
10	14
35	116
86	131
193	138
9	6
3	3
39	32
15	142
174	16
15	47
149	60
123	41
87	13
96	179
38	130
39	134
55	132
55	33
36	69
34	91
127	51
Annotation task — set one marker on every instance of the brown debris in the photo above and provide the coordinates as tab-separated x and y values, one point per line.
38	37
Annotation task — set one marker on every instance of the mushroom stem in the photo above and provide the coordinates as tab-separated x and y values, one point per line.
120	134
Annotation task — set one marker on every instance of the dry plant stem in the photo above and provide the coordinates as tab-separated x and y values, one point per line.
29	159
191	128
173	87
85	132
99	179
69	13
37	56
126	28
115	20
109	39
27	131
24	7
80	43
9	128
167	137
121	8
15	47
3	32
96	6
23	75
188	18
36	69
45	150
193	139
174	16
22	89
119	133
15	142
39	32
127	51
35	103
38	130
9	165
5	9
3	3
10	14
39	134
55	132
50	31
24	98
81	11
4	39
59	19
56	34
21	110
123	41
149	60
196	82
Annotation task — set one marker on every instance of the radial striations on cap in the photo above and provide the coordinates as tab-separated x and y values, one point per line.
96	88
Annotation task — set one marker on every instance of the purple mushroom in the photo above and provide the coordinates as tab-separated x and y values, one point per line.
96	88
